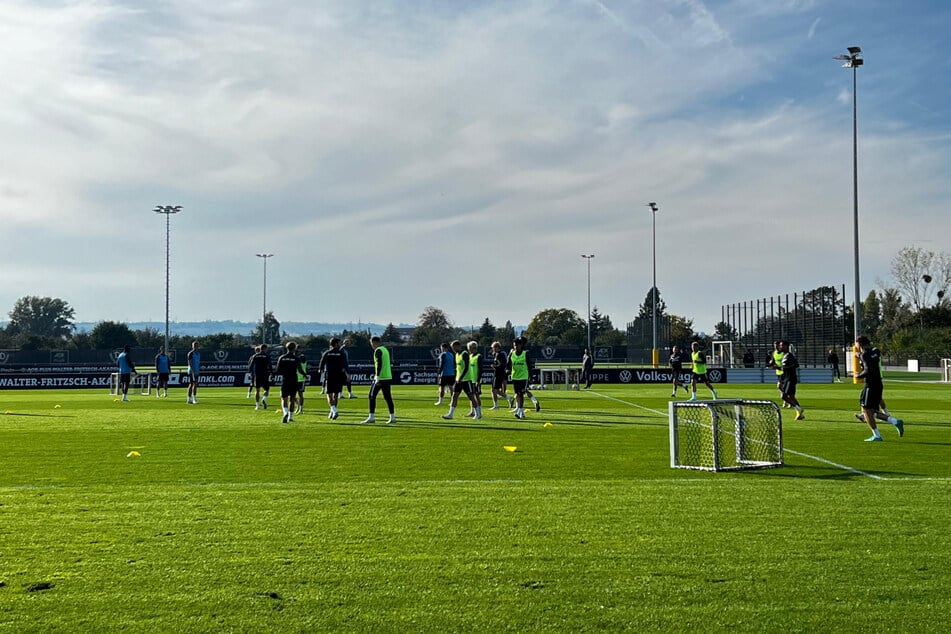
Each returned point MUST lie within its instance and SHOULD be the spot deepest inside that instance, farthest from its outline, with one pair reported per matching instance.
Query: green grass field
(230, 521)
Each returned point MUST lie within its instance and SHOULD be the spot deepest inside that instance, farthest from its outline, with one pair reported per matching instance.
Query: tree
(358, 338)
(722, 331)
(268, 331)
(871, 314)
(149, 338)
(111, 335)
(433, 327)
(920, 275)
(681, 330)
(391, 335)
(647, 308)
(41, 316)
(506, 334)
(486, 333)
(895, 314)
(557, 326)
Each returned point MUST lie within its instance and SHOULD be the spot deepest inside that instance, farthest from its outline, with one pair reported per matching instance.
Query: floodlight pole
(655, 354)
(167, 210)
(264, 256)
(853, 60)
(589, 258)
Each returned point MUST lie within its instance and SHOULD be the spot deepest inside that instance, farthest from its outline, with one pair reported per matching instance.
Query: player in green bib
(463, 382)
(699, 372)
(382, 380)
(519, 367)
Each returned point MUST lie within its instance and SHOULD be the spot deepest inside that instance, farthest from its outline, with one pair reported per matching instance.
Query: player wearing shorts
(499, 375)
(162, 369)
(699, 371)
(677, 368)
(334, 368)
(126, 370)
(519, 368)
(346, 354)
(462, 384)
(790, 379)
(382, 380)
(447, 371)
(475, 379)
(259, 367)
(288, 367)
(871, 397)
(194, 370)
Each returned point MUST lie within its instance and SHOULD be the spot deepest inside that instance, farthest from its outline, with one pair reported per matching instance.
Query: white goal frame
(724, 436)
(721, 351)
(141, 382)
(946, 370)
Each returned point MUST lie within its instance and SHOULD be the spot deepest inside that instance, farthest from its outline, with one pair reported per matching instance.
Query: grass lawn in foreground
(230, 521)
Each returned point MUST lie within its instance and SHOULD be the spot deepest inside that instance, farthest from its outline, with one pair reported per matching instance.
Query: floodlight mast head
(653, 206)
(853, 59)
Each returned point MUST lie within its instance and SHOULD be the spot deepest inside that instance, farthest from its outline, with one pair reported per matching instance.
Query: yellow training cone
(509, 447)
(57, 406)
(133, 454)
(548, 424)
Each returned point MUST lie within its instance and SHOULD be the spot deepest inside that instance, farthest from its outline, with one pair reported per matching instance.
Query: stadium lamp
(168, 211)
(853, 60)
(264, 256)
(655, 354)
(589, 258)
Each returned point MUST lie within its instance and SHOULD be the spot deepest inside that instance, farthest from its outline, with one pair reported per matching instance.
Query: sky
(463, 155)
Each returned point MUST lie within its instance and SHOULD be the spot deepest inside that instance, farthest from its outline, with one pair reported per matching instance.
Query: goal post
(723, 353)
(946, 370)
(140, 383)
(725, 435)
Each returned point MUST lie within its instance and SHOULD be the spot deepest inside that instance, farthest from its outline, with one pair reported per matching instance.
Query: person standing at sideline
(194, 369)
(499, 375)
(333, 367)
(677, 368)
(871, 397)
(382, 380)
(587, 366)
(288, 367)
(162, 369)
(699, 373)
(126, 370)
(447, 372)
(260, 370)
(790, 379)
(833, 360)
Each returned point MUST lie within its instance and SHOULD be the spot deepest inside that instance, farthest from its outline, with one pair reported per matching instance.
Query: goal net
(725, 435)
(140, 384)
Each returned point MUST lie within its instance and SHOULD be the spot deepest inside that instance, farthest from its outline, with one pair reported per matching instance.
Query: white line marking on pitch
(646, 409)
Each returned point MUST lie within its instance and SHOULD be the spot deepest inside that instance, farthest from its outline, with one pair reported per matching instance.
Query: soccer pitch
(228, 520)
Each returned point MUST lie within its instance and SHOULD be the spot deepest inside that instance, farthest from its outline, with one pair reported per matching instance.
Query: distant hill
(201, 328)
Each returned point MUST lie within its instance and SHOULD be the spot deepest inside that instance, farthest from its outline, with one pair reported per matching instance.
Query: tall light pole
(853, 60)
(264, 256)
(589, 258)
(168, 210)
(655, 354)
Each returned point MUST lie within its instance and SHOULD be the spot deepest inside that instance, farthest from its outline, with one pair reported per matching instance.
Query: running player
(259, 367)
(677, 368)
(288, 367)
(871, 397)
(699, 373)
(790, 379)
(462, 383)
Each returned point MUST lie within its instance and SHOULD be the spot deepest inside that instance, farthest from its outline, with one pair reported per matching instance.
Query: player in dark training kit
(288, 367)
(259, 367)
(871, 397)
(334, 368)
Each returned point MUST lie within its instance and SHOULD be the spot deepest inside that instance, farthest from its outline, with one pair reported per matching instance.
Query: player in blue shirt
(126, 370)
(194, 368)
(163, 368)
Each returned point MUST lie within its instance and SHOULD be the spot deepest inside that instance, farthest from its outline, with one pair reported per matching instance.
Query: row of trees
(913, 315)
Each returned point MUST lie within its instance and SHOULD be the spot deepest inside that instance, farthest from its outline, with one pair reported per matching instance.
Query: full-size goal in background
(725, 435)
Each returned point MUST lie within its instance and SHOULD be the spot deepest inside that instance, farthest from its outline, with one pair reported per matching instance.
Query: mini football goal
(140, 384)
(725, 435)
